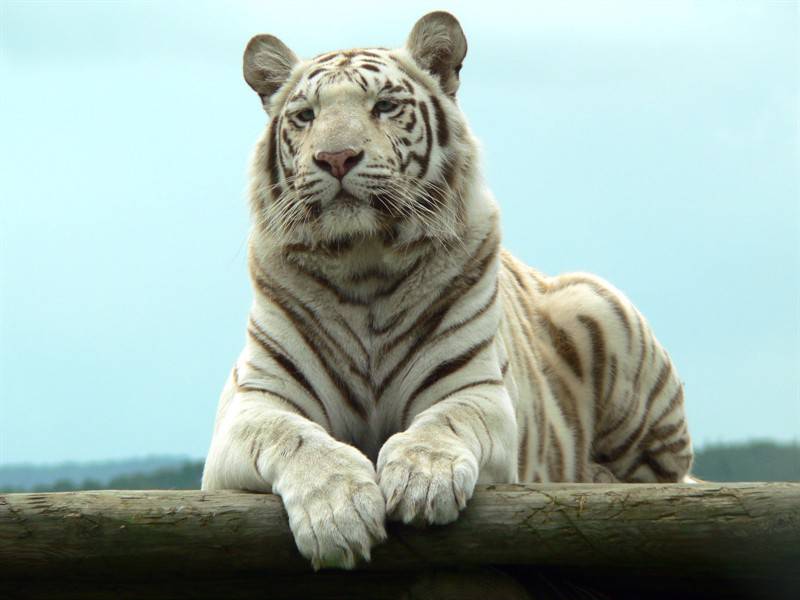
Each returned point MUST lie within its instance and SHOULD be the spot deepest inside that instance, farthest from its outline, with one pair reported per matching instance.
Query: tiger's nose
(338, 163)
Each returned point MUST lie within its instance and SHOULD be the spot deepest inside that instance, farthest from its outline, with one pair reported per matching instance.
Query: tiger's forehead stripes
(391, 87)
(370, 52)
(347, 58)
(342, 93)
(362, 67)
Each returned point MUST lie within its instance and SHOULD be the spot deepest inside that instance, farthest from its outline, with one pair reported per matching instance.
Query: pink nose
(338, 163)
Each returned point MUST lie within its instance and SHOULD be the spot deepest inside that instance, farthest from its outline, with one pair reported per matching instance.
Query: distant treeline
(27, 476)
(751, 461)
(183, 477)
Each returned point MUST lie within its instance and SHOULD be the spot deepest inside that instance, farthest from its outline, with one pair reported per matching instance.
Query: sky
(655, 144)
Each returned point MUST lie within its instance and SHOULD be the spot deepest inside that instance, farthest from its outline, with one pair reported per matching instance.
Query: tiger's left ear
(267, 63)
(438, 45)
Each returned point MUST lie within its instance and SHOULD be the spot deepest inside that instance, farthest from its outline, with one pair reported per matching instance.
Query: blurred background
(652, 143)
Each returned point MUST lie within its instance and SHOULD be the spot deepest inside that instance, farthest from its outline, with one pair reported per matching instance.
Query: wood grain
(724, 530)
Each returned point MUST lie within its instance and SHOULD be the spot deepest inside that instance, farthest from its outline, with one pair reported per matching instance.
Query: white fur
(406, 446)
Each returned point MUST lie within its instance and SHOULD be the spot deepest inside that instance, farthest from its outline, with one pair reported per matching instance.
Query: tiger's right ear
(267, 64)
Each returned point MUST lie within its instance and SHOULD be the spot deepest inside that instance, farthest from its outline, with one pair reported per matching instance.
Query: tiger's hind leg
(617, 382)
(643, 435)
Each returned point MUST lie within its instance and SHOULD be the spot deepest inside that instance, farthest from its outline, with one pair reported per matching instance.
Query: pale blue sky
(655, 144)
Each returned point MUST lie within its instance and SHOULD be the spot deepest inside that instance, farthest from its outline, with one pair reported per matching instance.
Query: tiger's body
(395, 354)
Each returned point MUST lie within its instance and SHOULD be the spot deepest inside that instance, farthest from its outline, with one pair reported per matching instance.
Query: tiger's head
(364, 142)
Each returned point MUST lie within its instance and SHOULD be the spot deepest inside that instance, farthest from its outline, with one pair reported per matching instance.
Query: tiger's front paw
(336, 509)
(426, 478)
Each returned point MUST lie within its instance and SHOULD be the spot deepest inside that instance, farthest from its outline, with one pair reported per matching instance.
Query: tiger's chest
(375, 331)
(378, 354)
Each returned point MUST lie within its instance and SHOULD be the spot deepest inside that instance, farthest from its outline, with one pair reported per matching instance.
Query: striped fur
(395, 354)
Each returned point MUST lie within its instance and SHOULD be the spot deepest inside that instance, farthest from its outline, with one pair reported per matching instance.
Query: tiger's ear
(438, 45)
(267, 64)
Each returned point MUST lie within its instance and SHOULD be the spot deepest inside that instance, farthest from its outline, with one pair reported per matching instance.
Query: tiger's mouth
(348, 215)
(375, 201)
(345, 198)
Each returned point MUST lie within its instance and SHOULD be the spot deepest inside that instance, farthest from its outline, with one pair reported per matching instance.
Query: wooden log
(720, 530)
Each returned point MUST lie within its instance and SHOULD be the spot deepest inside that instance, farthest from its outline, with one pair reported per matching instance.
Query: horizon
(189, 458)
(763, 460)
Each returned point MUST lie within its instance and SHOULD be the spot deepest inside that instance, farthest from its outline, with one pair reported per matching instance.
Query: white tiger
(395, 355)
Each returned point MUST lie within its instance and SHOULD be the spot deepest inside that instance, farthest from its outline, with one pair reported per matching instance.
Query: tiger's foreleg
(336, 510)
(429, 471)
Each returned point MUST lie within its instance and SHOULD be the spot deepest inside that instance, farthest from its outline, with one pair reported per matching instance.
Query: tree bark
(720, 530)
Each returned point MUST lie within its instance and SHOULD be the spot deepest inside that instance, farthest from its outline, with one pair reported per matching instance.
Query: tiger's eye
(384, 106)
(306, 115)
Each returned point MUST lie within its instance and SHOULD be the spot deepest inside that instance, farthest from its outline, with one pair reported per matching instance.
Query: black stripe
(672, 447)
(272, 163)
(663, 475)
(564, 345)
(473, 271)
(556, 446)
(341, 296)
(279, 149)
(426, 325)
(612, 369)
(361, 81)
(402, 278)
(250, 388)
(661, 381)
(568, 405)
(269, 345)
(634, 438)
(607, 295)
(287, 140)
(369, 61)
(642, 351)
(423, 160)
(434, 313)
(665, 431)
(445, 369)
(467, 386)
(442, 129)
(326, 57)
(412, 122)
(317, 345)
(460, 325)
(522, 456)
(375, 329)
(426, 158)
(598, 343)
(273, 292)
(612, 428)
(674, 402)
